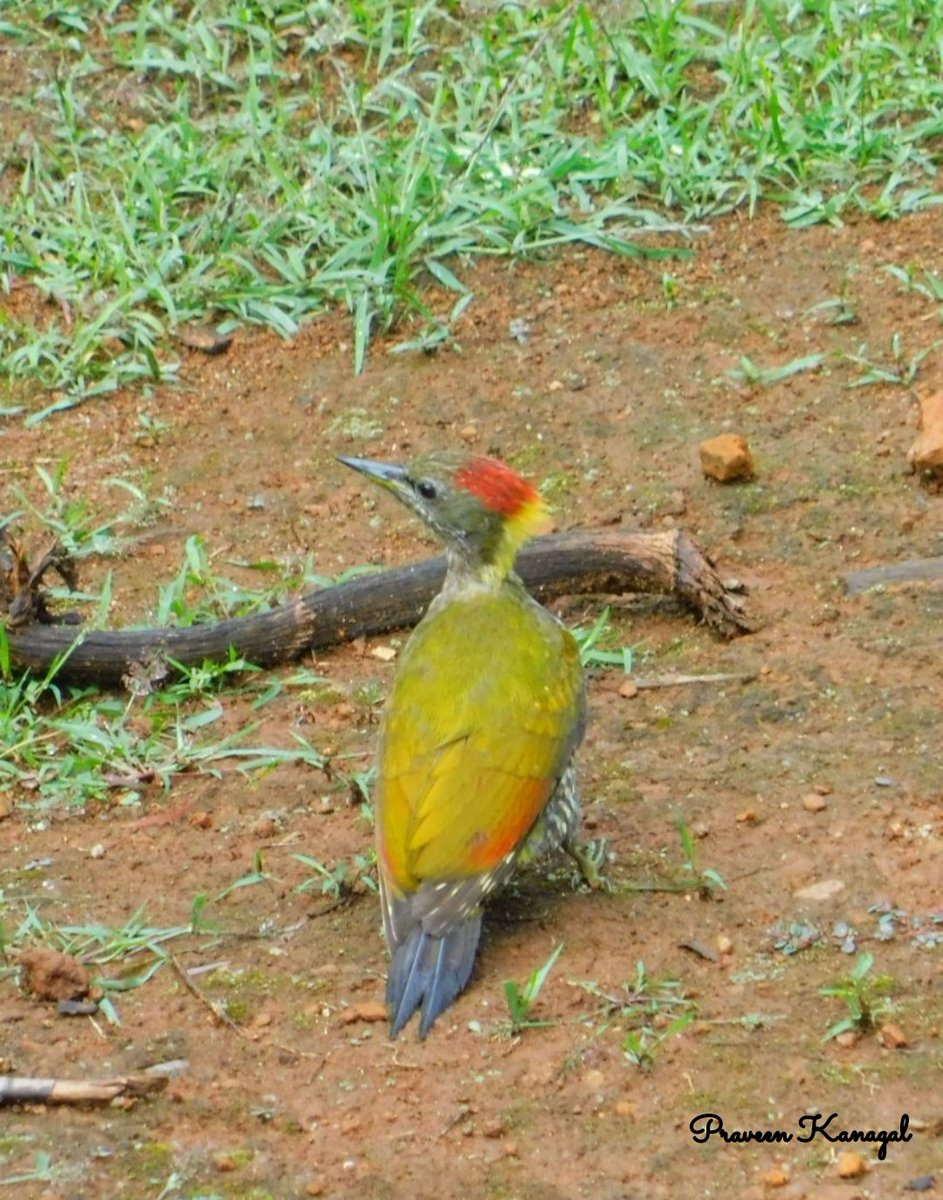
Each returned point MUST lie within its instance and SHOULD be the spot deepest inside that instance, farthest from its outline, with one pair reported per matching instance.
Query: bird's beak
(388, 475)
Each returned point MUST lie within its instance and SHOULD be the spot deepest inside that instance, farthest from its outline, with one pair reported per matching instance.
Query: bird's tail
(429, 971)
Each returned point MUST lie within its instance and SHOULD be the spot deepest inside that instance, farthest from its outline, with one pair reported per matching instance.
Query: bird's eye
(427, 489)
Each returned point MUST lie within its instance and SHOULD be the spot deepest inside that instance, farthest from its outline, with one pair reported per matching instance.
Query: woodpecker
(475, 771)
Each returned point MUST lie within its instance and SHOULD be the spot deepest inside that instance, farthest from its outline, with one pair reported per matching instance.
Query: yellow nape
(530, 520)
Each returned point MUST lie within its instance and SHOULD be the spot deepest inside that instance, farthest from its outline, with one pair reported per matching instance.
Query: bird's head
(481, 509)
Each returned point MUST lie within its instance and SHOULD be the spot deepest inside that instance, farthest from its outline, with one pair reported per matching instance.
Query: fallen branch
(20, 1089)
(597, 561)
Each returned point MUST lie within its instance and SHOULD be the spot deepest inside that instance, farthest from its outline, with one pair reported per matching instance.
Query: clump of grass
(865, 998)
(650, 1011)
(521, 998)
(265, 163)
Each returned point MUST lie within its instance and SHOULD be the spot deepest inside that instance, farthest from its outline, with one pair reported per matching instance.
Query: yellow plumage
(478, 731)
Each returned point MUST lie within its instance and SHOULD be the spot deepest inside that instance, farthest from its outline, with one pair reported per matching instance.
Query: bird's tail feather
(430, 971)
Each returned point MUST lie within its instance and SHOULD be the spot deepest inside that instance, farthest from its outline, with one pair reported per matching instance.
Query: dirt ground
(623, 369)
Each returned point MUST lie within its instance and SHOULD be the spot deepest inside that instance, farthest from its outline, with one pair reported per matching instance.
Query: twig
(221, 1015)
(214, 1006)
(21, 1089)
(665, 681)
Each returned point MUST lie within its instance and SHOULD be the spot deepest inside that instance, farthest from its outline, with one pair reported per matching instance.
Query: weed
(343, 879)
(590, 643)
(705, 882)
(654, 1011)
(865, 998)
(749, 372)
(925, 282)
(42, 1172)
(899, 368)
(521, 999)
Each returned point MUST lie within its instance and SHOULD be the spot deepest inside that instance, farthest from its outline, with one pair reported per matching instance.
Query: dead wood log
(580, 562)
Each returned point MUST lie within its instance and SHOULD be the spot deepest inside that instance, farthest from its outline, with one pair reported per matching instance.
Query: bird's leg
(590, 858)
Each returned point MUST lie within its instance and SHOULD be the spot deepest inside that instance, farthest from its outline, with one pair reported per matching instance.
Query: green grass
(273, 160)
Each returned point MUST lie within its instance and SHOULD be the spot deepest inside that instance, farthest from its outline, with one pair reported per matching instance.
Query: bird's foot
(591, 858)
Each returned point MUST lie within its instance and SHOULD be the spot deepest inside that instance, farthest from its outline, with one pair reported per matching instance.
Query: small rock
(814, 802)
(727, 458)
(201, 819)
(893, 1038)
(825, 889)
(776, 1178)
(6, 807)
(724, 944)
(625, 1108)
(383, 653)
(264, 827)
(593, 1080)
(848, 1040)
(97, 851)
(365, 1010)
(555, 385)
(851, 1166)
(468, 433)
(628, 690)
(747, 817)
(920, 1183)
(204, 338)
(315, 1187)
(926, 454)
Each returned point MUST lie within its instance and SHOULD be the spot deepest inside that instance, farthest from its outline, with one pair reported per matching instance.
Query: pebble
(727, 458)
(365, 1010)
(825, 889)
(848, 1040)
(724, 944)
(926, 454)
(776, 1178)
(97, 851)
(628, 690)
(920, 1183)
(851, 1165)
(383, 653)
(6, 807)
(264, 827)
(814, 802)
(893, 1038)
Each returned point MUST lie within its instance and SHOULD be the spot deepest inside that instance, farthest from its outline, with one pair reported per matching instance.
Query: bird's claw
(591, 858)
